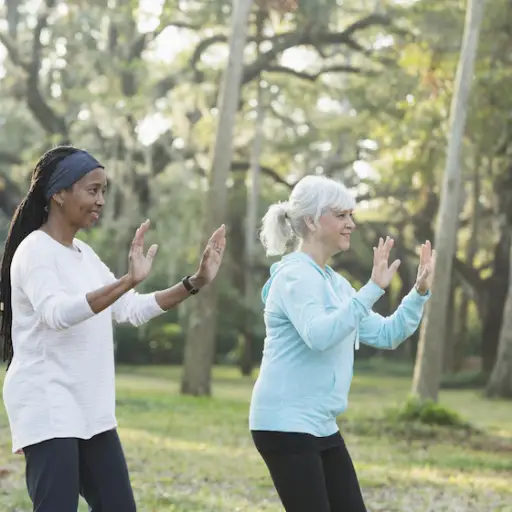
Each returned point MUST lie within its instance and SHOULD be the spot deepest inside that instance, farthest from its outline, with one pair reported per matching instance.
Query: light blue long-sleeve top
(314, 320)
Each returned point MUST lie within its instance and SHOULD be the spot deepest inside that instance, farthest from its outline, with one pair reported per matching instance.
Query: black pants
(59, 470)
(311, 474)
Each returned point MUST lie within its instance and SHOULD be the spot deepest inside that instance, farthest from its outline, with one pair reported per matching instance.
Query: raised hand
(382, 272)
(426, 268)
(212, 258)
(140, 264)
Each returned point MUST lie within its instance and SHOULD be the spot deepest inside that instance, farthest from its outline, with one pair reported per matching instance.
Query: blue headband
(69, 170)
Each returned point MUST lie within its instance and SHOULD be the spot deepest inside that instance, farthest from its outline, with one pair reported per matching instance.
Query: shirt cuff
(77, 310)
(417, 297)
(369, 294)
(154, 308)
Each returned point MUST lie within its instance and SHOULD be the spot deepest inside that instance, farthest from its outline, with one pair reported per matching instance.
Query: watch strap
(188, 285)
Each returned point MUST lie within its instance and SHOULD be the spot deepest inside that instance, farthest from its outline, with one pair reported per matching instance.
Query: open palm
(382, 271)
(140, 264)
(426, 268)
(211, 259)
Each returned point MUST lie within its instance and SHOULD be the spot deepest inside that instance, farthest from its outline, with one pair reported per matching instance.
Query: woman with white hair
(314, 320)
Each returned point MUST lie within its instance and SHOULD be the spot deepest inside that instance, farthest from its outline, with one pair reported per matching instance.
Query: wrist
(197, 282)
(421, 291)
(373, 281)
(127, 282)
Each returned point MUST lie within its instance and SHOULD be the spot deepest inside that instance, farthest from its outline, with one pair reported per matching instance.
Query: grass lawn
(196, 455)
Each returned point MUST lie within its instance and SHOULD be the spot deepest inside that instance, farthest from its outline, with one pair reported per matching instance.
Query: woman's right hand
(382, 273)
(139, 263)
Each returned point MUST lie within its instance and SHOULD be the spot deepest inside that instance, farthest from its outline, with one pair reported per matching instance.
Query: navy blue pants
(310, 474)
(58, 471)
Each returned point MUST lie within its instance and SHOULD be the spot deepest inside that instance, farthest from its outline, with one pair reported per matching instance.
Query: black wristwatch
(188, 285)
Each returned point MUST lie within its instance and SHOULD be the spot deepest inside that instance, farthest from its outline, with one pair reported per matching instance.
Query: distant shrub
(415, 421)
(426, 412)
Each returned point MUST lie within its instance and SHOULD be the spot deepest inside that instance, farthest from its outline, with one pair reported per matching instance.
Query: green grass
(196, 455)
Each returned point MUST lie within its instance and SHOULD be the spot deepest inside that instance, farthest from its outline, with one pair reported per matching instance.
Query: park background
(202, 115)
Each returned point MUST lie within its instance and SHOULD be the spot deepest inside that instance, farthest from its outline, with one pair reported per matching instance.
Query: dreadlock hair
(29, 216)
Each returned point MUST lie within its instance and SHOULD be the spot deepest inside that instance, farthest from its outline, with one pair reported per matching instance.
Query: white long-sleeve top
(61, 382)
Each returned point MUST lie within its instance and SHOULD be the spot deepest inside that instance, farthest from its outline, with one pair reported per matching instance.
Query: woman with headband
(58, 303)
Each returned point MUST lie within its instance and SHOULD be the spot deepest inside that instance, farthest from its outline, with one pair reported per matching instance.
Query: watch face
(188, 286)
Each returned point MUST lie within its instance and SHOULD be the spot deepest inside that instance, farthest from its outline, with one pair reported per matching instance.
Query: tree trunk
(497, 284)
(461, 336)
(471, 250)
(449, 345)
(246, 357)
(427, 371)
(200, 343)
(496, 295)
(236, 247)
(246, 360)
(500, 382)
(407, 350)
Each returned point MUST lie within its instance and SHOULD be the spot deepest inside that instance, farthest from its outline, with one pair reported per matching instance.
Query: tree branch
(140, 43)
(167, 19)
(307, 36)
(281, 44)
(44, 114)
(314, 76)
(245, 166)
(203, 45)
(261, 64)
(369, 21)
(175, 24)
(160, 154)
(12, 51)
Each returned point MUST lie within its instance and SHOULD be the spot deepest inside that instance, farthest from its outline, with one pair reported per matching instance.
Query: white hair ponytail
(311, 197)
(276, 231)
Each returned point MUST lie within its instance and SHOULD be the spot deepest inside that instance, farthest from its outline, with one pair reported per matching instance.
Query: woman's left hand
(211, 259)
(426, 268)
